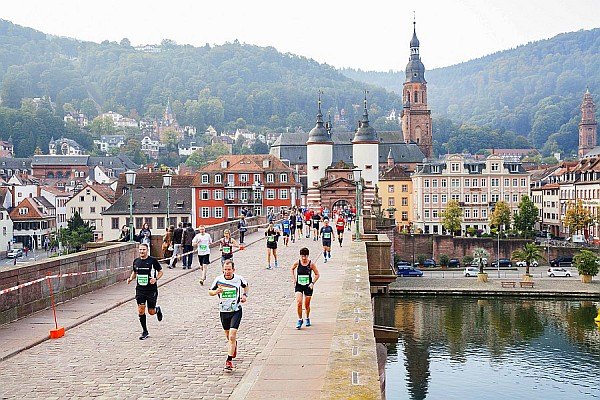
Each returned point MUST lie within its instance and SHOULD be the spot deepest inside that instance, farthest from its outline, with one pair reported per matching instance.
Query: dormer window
(218, 178)
(270, 178)
(23, 211)
(266, 163)
(205, 178)
(283, 177)
(224, 164)
(156, 204)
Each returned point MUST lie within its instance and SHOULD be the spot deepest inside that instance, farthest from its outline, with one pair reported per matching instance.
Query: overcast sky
(371, 35)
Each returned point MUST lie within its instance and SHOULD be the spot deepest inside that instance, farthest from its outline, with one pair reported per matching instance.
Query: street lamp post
(357, 180)
(167, 178)
(130, 179)
(498, 254)
(412, 239)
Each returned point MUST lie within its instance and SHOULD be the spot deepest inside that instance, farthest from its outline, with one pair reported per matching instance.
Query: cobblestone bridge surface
(185, 354)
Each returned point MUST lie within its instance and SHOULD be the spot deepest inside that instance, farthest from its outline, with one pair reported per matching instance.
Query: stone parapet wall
(27, 300)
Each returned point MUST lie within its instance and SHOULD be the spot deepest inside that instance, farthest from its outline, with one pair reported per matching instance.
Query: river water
(491, 348)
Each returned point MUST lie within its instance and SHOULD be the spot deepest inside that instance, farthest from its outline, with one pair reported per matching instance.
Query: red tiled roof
(154, 180)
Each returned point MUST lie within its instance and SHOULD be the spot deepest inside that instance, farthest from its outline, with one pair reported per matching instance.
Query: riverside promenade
(101, 355)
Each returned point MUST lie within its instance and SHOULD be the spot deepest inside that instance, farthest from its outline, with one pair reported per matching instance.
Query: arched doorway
(342, 203)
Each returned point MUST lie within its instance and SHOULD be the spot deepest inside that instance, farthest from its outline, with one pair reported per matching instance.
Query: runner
(285, 223)
(327, 236)
(293, 227)
(229, 288)
(299, 224)
(148, 271)
(316, 218)
(272, 235)
(304, 283)
(226, 245)
(349, 220)
(339, 227)
(177, 246)
(202, 240)
(308, 222)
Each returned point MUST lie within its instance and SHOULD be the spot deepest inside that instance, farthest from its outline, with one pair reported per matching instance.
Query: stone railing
(113, 262)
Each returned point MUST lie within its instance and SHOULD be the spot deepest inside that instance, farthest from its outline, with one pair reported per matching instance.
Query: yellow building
(396, 192)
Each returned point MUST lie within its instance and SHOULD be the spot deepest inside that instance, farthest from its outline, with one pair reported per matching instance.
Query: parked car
(429, 263)
(454, 263)
(476, 261)
(504, 263)
(402, 263)
(407, 270)
(471, 271)
(14, 253)
(559, 271)
(562, 261)
(524, 264)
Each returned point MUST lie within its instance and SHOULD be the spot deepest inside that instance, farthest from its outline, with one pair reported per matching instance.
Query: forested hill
(226, 86)
(534, 90)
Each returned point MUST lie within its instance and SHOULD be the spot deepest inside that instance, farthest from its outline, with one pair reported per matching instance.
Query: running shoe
(201, 281)
(159, 314)
(228, 366)
(324, 260)
(144, 335)
(235, 350)
(269, 267)
(276, 264)
(329, 255)
(299, 324)
(307, 321)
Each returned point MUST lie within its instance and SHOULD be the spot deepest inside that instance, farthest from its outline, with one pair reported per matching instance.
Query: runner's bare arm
(131, 277)
(315, 271)
(293, 273)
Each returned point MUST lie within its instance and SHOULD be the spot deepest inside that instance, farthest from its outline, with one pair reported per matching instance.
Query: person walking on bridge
(177, 247)
(327, 236)
(272, 235)
(203, 240)
(147, 271)
(340, 224)
(232, 290)
(304, 275)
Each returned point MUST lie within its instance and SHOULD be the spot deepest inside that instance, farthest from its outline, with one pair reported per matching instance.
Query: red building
(260, 183)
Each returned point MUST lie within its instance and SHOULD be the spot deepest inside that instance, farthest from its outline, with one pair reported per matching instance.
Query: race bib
(326, 235)
(229, 293)
(303, 279)
(142, 280)
(271, 238)
(226, 250)
(203, 247)
(228, 300)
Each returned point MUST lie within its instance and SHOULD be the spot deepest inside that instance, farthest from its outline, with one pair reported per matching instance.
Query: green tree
(586, 263)
(102, 126)
(501, 214)
(480, 255)
(452, 217)
(77, 233)
(196, 159)
(134, 151)
(529, 253)
(577, 217)
(526, 217)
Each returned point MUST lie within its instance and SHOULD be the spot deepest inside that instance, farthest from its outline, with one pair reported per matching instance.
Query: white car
(471, 271)
(524, 264)
(559, 271)
(14, 253)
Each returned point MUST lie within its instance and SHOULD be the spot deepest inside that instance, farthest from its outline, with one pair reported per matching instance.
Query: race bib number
(226, 250)
(271, 238)
(298, 223)
(303, 279)
(228, 300)
(229, 293)
(326, 235)
(142, 280)
(203, 247)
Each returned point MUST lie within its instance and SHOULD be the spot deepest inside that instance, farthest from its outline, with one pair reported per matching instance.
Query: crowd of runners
(292, 227)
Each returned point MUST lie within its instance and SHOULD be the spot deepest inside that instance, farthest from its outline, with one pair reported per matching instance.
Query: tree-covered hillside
(228, 86)
(533, 91)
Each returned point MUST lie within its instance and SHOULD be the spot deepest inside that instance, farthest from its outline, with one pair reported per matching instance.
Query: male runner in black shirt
(147, 271)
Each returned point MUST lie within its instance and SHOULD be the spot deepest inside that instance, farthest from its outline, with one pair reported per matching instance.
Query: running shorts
(231, 320)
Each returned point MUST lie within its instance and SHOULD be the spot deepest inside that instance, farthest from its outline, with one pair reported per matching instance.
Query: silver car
(559, 271)
(471, 271)
(524, 264)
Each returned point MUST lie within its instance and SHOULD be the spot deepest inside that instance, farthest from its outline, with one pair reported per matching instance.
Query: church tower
(416, 118)
(319, 155)
(365, 155)
(588, 126)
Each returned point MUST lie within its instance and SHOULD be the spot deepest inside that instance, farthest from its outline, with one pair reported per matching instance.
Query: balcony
(237, 201)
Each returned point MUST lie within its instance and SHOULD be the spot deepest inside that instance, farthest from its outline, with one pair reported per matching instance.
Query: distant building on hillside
(65, 147)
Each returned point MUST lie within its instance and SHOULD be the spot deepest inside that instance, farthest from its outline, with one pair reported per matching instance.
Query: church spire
(365, 132)
(319, 134)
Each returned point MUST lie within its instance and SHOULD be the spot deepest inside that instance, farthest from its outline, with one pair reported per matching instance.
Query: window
(230, 212)
(270, 194)
(283, 177)
(495, 198)
(23, 211)
(283, 193)
(218, 212)
(435, 169)
(434, 198)
(405, 188)
(426, 199)
(184, 220)
(114, 223)
(523, 182)
(391, 189)
(404, 215)
(455, 197)
(256, 178)
(474, 182)
(475, 198)
(230, 179)
(205, 212)
(103, 208)
(205, 178)
(139, 221)
(495, 182)
(270, 178)
(434, 213)
(205, 195)
(454, 167)
(515, 197)
(368, 167)
(467, 182)
(467, 213)
(230, 194)
(467, 198)
(218, 195)
(455, 182)
(160, 223)
(483, 182)
(405, 201)
(426, 214)
(92, 210)
(475, 213)
(243, 178)
(506, 182)
(243, 195)
(444, 198)
(484, 198)
(148, 220)
(484, 213)
(81, 198)
(218, 178)
(391, 201)
(507, 198)
(495, 167)
(514, 183)
(94, 198)
(173, 221)
(434, 183)
(443, 183)
(426, 183)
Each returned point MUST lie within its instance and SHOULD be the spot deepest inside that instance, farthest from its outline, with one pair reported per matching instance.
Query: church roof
(320, 133)
(365, 132)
